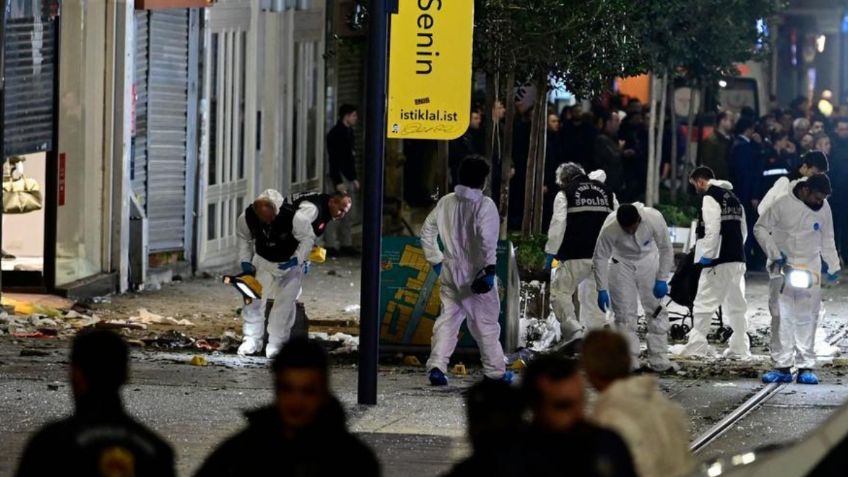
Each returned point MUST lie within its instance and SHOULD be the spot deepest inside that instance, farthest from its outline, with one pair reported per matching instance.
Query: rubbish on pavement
(411, 360)
(205, 344)
(198, 360)
(29, 334)
(119, 324)
(538, 334)
(352, 309)
(148, 318)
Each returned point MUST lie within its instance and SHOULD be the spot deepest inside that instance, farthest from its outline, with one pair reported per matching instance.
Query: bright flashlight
(800, 279)
(246, 290)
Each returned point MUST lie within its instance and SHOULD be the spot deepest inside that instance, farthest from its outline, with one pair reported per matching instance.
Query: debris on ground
(148, 318)
(537, 334)
(351, 309)
(198, 360)
(411, 360)
(337, 343)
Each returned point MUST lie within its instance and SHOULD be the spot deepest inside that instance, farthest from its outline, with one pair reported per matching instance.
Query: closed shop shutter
(138, 169)
(167, 110)
(30, 72)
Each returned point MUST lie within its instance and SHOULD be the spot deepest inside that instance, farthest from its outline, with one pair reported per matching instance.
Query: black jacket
(341, 149)
(585, 451)
(100, 434)
(323, 450)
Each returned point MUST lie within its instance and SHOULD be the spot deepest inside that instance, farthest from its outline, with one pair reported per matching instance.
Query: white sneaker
(249, 346)
(271, 351)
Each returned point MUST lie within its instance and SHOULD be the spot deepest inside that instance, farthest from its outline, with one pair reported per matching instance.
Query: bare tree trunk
(532, 163)
(690, 121)
(506, 151)
(489, 125)
(652, 142)
(542, 147)
(674, 145)
(660, 138)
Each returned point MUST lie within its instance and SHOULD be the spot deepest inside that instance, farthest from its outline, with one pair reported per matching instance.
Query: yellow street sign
(430, 69)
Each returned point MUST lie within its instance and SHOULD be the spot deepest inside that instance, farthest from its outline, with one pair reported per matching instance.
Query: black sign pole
(372, 219)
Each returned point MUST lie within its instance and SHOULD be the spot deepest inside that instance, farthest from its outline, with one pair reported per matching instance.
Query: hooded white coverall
(468, 224)
(655, 429)
(781, 187)
(805, 236)
(282, 286)
(638, 261)
(573, 275)
(721, 285)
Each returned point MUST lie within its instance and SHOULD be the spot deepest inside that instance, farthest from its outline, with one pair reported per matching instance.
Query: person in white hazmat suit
(655, 428)
(720, 250)
(812, 163)
(468, 224)
(796, 233)
(632, 261)
(275, 239)
(580, 210)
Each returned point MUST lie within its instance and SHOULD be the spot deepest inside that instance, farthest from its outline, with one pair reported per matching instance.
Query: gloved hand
(248, 268)
(603, 300)
(833, 277)
(437, 268)
(291, 263)
(549, 263)
(307, 265)
(781, 262)
(706, 262)
(485, 281)
(660, 289)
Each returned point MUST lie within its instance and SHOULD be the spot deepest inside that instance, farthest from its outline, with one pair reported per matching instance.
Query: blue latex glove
(485, 281)
(489, 280)
(248, 268)
(288, 265)
(549, 263)
(307, 265)
(833, 277)
(705, 261)
(437, 268)
(660, 289)
(603, 300)
(781, 262)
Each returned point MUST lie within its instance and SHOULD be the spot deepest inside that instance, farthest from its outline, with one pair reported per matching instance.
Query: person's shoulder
(149, 435)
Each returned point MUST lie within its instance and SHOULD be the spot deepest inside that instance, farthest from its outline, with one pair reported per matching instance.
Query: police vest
(732, 247)
(589, 204)
(275, 242)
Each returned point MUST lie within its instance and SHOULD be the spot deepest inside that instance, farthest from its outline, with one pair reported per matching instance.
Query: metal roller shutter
(167, 109)
(138, 169)
(30, 71)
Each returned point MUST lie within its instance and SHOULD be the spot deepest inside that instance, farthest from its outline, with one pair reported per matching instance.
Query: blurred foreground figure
(654, 428)
(303, 433)
(100, 439)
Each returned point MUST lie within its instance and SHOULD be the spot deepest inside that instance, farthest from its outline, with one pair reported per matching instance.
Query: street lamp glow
(722, 83)
(821, 41)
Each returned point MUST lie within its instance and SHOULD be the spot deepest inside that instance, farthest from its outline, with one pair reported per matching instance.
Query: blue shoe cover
(508, 377)
(438, 378)
(777, 376)
(807, 377)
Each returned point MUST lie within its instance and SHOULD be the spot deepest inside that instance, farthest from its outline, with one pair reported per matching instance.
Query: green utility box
(409, 297)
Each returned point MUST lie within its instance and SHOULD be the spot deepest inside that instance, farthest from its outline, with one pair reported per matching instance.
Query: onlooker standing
(654, 428)
(839, 177)
(608, 151)
(100, 435)
(292, 435)
(560, 437)
(715, 149)
(464, 146)
(746, 173)
(823, 144)
(341, 149)
(800, 128)
(554, 156)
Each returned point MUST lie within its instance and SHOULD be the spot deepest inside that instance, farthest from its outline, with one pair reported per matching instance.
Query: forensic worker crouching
(796, 233)
(632, 262)
(275, 239)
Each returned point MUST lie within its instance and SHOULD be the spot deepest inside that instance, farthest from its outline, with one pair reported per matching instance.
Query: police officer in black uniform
(100, 439)
(580, 209)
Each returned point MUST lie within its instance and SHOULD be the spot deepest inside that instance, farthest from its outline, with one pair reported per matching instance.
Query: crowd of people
(535, 429)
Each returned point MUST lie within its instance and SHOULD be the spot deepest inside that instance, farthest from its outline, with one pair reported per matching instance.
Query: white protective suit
(638, 261)
(282, 286)
(806, 238)
(573, 275)
(655, 429)
(468, 224)
(722, 285)
(781, 188)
